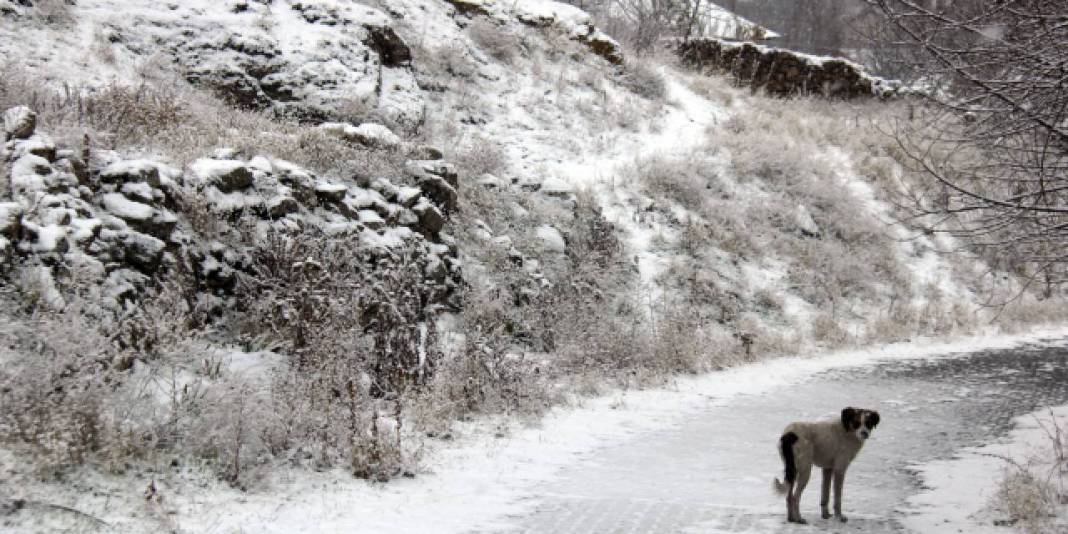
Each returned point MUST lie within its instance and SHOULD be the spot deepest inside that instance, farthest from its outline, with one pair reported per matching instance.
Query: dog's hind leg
(803, 475)
(825, 493)
(786, 450)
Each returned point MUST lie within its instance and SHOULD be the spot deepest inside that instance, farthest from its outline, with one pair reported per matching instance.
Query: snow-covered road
(709, 469)
(695, 457)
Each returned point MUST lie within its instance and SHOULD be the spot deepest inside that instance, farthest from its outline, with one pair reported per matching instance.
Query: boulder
(371, 219)
(431, 220)
(420, 169)
(369, 134)
(141, 192)
(10, 220)
(19, 123)
(472, 7)
(551, 239)
(280, 206)
(392, 50)
(438, 190)
(226, 175)
(804, 222)
(142, 251)
(121, 172)
(44, 239)
(330, 192)
(152, 221)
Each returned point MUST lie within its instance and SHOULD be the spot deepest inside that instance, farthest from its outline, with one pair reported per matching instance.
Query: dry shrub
(681, 179)
(643, 78)
(167, 116)
(55, 12)
(496, 41)
(1027, 499)
(358, 336)
(826, 330)
(479, 155)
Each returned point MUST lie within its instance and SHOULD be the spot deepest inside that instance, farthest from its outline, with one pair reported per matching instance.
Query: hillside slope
(243, 241)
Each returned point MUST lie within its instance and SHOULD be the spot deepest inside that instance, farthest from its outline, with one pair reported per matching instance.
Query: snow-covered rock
(805, 223)
(137, 170)
(785, 72)
(551, 239)
(577, 23)
(19, 123)
(368, 134)
(224, 174)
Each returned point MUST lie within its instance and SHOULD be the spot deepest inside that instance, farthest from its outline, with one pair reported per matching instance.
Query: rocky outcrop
(784, 72)
(134, 220)
(575, 22)
(307, 60)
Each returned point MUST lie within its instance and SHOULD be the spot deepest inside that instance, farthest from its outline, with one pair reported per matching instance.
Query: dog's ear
(873, 419)
(849, 416)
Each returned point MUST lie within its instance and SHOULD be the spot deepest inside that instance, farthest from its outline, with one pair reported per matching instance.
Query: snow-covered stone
(126, 209)
(44, 239)
(138, 170)
(431, 220)
(19, 123)
(142, 251)
(805, 223)
(155, 222)
(573, 20)
(330, 191)
(371, 219)
(557, 187)
(490, 181)
(10, 219)
(141, 192)
(368, 134)
(551, 239)
(226, 175)
(280, 206)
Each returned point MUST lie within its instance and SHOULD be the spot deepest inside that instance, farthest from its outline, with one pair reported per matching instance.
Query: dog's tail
(786, 446)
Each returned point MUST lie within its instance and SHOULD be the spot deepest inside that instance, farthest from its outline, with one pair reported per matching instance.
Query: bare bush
(643, 79)
(183, 123)
(480, 155)
(494, 40)
(55, 12)
(356, 327)
(682, 179)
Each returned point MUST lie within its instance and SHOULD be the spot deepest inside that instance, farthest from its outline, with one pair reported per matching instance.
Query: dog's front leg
(839, 481)
(825, 494)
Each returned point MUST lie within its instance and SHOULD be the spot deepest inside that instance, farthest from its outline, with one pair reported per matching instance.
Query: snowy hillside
(249, 242)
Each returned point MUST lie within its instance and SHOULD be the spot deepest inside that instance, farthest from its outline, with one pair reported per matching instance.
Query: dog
(830, 445)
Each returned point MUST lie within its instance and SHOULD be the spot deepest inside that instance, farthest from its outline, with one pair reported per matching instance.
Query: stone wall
(784, 72)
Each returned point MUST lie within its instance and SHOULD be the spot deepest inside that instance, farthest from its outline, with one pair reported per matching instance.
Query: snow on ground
(476, 483)
(960, 491)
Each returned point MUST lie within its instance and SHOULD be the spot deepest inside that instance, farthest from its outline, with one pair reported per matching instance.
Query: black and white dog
(831, 445)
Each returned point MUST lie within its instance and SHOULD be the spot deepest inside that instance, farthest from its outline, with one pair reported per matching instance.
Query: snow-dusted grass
(162, 116)
(1019, 482)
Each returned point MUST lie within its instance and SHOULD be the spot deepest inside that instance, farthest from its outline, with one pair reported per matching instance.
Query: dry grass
(166, 117)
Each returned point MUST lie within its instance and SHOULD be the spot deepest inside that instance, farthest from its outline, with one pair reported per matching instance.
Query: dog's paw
(841, 518)
(825, 514)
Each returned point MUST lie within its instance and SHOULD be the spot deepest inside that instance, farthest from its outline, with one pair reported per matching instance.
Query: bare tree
(994, 136)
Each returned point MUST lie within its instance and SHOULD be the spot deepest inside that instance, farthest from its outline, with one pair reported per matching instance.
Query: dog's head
(860, 422)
